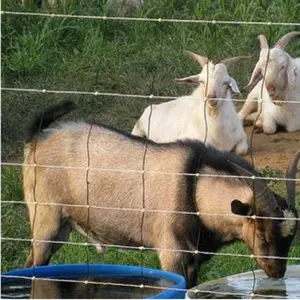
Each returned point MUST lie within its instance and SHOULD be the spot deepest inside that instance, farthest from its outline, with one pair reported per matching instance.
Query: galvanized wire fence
(114, 169)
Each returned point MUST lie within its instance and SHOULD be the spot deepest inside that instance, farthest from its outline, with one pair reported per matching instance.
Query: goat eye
(201, 82)
(282, 68)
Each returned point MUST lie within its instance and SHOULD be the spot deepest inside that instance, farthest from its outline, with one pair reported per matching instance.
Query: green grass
(118, 57)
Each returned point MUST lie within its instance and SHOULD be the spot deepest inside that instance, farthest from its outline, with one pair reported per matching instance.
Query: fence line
(148, 171)
(141, 286)
(143, 248)
(142, 210)
(159, 20)
(138, 96)
(148, 210)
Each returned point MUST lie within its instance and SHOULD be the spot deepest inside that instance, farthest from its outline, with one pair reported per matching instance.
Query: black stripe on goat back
(205, 155)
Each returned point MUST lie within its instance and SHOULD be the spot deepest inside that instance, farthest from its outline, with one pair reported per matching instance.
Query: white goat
(185, 117)
(282, 83)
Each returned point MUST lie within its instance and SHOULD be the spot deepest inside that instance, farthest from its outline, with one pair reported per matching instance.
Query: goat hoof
(258, 130)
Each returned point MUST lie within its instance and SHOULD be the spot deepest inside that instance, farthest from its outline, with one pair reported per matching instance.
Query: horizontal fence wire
(137, 96)
(165, 20)
(141, 286)
(149, 172)
(142, 210)
(143, 248)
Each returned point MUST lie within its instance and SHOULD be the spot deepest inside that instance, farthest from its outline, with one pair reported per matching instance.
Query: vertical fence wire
(260, 111)
(147, 140)
(88, 202)
(35, 202)
(196, 178)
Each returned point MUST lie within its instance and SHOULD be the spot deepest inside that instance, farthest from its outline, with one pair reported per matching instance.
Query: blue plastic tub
(105, 270)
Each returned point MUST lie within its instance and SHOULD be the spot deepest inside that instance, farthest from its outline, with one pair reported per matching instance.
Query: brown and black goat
(129, 216)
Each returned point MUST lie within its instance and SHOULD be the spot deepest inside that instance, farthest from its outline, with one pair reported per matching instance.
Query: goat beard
(277, 101)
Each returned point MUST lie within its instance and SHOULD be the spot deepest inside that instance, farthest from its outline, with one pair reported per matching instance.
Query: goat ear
(292, 73)
(189, 79)
(240, 208)
(234, 87)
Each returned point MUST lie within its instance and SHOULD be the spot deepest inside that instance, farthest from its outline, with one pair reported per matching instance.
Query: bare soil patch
(273, 150)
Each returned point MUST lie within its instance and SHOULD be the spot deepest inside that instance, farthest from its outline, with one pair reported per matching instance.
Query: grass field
(118, 57)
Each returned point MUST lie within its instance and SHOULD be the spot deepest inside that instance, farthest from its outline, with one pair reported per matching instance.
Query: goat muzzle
(276, 273)
(277, 102)
(271, 89)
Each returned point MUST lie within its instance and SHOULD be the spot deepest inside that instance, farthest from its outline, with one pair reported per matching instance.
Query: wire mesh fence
(142, 209)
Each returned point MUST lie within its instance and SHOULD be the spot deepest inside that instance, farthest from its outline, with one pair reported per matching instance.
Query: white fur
(287, 82)
(287, 227)
(184, 117)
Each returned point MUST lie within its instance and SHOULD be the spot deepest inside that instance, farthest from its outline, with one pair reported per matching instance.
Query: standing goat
(116, 212)
(214, 121)
(282, 84)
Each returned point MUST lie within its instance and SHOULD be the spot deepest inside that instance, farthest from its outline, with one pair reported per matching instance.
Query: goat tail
(44, 118)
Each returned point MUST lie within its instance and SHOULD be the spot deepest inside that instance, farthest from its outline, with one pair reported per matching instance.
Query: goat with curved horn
(184, 117)
(202, 60)
(228, 62)
(280, 87)
(273, 236)
(291, 174)
(286, 39)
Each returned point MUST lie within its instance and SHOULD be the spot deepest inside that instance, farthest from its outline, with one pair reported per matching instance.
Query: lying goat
(282, 84)
(215, 121)
(121, 192)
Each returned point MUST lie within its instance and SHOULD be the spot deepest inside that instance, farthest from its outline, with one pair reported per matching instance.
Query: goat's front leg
(241, 148)
(184, 264)
(247, 109)
(269, 124)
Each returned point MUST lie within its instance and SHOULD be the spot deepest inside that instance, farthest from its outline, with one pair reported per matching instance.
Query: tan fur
(115, 181)
(218, 199)
(68, 147)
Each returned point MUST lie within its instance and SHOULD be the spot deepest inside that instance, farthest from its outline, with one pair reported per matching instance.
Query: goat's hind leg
(46, 226)
(249, 106)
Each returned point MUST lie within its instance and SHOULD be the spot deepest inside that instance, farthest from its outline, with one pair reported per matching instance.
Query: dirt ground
(273, 150)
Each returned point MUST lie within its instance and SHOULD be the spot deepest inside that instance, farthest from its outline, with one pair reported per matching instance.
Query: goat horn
(263, 41)
(284, 41)
(256, 73)
(291, 173)
(202, 60)
(228, 62)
